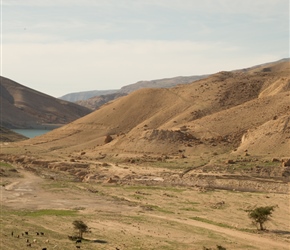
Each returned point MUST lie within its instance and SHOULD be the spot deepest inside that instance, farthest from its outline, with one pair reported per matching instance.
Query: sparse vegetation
(211, 222)
(260, 215)
(7, 170)
(5, 165)
(47, 212)
(189, 209)
(81, 227)
(108, 139)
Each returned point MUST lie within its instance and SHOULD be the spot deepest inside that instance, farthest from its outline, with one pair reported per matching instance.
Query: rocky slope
(23, 107)
(226, 113)
(7, 135)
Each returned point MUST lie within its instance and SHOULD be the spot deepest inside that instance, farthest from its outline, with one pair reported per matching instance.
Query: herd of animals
(29, 242)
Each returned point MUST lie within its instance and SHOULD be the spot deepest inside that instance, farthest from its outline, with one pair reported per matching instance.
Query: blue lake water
(30, 133)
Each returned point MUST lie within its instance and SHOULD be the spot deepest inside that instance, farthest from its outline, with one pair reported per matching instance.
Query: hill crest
(23, 107)
(210, 115)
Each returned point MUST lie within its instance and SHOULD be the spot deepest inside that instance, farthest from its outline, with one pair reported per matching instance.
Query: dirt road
(254, 240)
(29, 193)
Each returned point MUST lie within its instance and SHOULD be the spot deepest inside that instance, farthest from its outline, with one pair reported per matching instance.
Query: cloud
(64, 46)
(159, 20)
(249, 7)
(150, 19)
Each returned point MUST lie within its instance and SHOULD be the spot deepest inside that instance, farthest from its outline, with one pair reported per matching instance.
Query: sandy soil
(142, 217)
(28, 193)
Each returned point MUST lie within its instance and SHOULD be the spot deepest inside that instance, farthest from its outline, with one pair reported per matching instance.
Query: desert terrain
(22, 107)
(172, 168)
(135, 208)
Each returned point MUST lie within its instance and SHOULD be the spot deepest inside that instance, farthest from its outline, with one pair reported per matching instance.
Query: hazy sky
(64, 46)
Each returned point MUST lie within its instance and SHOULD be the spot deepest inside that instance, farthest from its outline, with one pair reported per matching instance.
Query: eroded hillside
(23, 107)
(228, 112)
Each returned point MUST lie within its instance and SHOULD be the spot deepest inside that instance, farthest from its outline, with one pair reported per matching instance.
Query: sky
(64, 46)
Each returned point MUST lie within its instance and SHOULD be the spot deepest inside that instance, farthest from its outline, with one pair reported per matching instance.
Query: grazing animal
(47, 241)
(44, 248)
(18, 236)
(27, 240)
(29, 245)
(79, 241)
(12, 233)
(34, 240)
(78, 246)
(37, 233)
(26, 233)
(42, 233)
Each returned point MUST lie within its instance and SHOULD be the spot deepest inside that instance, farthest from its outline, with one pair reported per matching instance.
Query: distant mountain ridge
(100, 97)
(96, 98)
(84, 95)
(23, 107)
(161, 83)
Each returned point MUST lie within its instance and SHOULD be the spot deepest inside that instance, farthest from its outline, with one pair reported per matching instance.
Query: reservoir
(30, 133)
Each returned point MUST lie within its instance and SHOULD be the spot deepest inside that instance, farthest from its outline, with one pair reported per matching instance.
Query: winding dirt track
(27, 192)
(252, 239)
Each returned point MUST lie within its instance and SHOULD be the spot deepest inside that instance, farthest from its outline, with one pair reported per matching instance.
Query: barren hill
(7, 135)
(228, 112)
(23, 107)
(96, 101)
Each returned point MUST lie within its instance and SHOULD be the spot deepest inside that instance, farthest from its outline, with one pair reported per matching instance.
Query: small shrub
(108, 139)
(260, 215)
(81, 227)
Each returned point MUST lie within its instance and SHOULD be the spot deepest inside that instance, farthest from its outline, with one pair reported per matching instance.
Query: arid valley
(158, 168)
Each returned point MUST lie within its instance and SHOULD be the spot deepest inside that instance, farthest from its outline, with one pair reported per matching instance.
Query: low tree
(81, 227)
(260, 215)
